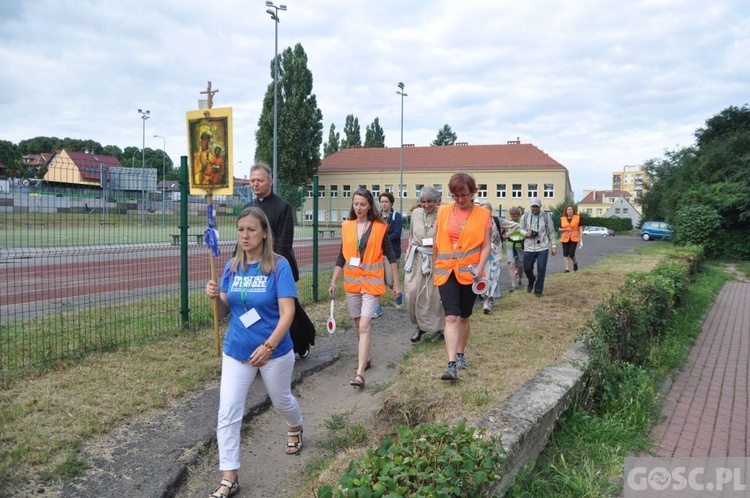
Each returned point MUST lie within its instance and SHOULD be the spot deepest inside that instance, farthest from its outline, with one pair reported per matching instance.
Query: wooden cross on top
(210, 96)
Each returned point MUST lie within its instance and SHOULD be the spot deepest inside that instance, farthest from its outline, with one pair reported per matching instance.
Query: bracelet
(333, 285)
(268, 347)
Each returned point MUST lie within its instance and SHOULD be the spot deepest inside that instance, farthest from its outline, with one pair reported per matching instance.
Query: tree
(334, 142)
(374, 135)
(445, 136)
(351, 132)
(10, 156)
(300, 125)
(728, 122)
(112, 150)
(707, 185)
(38, 145)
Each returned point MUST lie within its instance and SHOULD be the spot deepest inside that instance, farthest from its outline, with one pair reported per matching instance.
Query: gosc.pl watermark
(684, 477)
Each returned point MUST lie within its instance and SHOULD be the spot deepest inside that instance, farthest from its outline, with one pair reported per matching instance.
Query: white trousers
(236, 378)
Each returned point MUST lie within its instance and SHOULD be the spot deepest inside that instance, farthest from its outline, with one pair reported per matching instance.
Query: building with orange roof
(507, 175)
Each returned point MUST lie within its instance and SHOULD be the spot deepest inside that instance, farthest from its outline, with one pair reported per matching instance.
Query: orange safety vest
(573, 225)
(468, 248)
(369, 276)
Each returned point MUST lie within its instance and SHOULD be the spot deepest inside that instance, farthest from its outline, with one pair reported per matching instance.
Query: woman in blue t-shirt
(257, 289)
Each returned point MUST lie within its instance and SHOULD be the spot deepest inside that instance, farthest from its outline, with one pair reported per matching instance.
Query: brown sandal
(358, 381)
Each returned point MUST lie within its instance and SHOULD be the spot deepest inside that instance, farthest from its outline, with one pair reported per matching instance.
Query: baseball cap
(535, 201)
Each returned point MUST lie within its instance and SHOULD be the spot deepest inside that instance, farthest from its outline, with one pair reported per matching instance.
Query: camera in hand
(534, 233)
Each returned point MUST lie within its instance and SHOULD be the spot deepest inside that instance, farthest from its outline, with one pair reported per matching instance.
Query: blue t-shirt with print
(249, 289)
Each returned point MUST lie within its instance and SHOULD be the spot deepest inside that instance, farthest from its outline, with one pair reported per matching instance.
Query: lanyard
(461, 225)
(359, 236)
(424, 220)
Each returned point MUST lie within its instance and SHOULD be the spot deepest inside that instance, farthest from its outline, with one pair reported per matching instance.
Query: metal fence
(86, 269)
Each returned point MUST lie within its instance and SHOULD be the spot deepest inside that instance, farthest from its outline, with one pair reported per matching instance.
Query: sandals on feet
(232, 486)
(358, 381)
(294, 447)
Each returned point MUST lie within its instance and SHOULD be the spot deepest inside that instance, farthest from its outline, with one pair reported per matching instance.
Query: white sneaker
(487, 307)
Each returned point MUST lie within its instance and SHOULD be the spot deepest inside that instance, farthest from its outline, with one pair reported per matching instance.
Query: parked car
(655, 230)
(599, 231)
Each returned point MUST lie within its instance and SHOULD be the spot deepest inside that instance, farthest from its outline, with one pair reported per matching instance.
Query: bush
(616, 224)
(697, 225)
(428, 460)
(620, 333)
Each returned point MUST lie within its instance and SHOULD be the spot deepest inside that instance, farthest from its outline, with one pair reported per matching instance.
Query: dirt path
(266, 471)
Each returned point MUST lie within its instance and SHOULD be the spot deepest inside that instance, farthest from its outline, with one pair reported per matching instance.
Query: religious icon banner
(210, 151)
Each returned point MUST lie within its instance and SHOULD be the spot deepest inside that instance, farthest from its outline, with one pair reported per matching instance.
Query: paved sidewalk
(706, 408)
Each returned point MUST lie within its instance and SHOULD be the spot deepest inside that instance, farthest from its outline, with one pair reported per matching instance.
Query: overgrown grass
(585, 456)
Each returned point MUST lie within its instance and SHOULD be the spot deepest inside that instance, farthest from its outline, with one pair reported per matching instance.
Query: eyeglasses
(461, 196)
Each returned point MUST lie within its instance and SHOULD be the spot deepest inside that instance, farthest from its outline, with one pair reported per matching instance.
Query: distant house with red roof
(36, 161)
(506, 174)
(609, 203)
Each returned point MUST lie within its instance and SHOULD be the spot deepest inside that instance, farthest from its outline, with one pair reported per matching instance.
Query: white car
(599, 231)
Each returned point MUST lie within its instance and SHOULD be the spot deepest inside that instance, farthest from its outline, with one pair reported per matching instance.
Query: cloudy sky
(595, 84)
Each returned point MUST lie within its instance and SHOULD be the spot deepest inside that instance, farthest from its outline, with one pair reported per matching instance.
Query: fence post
(184, 193)
(316, 225)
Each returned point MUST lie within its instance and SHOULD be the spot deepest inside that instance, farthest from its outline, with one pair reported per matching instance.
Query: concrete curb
(525, 419)
(151, 458)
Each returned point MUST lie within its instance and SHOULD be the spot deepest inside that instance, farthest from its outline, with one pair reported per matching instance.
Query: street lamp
(163, 179)
(274, 12)
(400, 186)
(144, 117)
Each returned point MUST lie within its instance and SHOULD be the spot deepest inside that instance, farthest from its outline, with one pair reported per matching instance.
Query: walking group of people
(450, 248)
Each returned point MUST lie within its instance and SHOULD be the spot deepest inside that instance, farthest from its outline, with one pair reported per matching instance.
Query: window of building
(308, 214)
(588, 210)
(389, 187)
(346, 191)
(500, 192)
(321, 191)
(624, 210)
(482, 191)
(438, 187)
(417, 189)
(617, 210)
(533, 190)
(598, 210)
(549, 190)
(403, 191)
(362, 186)
(308, 192)
(334, 191)
(375, 191)
(517, 190)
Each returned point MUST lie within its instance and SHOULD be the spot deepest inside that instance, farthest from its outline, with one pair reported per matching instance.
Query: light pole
(163, 180)
(144, 117)
(400, 185)
(274, 12)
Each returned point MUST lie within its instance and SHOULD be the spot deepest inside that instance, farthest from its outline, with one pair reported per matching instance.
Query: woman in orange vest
(364, 247)
(571, 231)
(461, 250)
